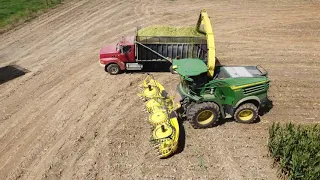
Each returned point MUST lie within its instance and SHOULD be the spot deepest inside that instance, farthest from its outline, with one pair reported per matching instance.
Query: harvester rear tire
(203, 115)
(246, 113)
(113, 69)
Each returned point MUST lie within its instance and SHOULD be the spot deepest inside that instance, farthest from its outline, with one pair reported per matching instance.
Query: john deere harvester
(208, 93)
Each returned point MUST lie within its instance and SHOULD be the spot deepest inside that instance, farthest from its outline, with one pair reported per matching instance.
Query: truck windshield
(117, 47)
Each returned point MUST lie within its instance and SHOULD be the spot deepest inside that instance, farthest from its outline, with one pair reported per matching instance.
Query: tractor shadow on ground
(223, 121)
(10, 72)
(267, 108)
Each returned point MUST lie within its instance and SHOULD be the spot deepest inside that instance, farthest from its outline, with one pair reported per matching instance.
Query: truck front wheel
(246, 113)
(203, 115)
(113, 69)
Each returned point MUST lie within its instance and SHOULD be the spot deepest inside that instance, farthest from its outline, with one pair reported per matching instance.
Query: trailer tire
(203, 115)
(113, 69)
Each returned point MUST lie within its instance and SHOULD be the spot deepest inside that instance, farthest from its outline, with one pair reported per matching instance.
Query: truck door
(127, 54)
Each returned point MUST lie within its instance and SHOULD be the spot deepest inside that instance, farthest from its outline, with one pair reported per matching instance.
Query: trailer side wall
(172, 47)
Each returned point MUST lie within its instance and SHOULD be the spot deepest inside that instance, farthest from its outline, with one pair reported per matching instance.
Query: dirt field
(69, 119)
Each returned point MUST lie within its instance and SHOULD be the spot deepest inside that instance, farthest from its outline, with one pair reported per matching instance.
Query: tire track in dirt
(75, 42)
(83, 135)
(67, 131)
(19, 34)
(50, 64)
(32, 125)
(73, 121)
(66, 32)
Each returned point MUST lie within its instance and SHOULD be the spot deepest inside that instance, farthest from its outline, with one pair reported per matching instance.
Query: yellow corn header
(162, 118)
(160, 106)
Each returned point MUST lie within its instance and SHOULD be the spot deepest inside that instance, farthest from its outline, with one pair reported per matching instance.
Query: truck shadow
(10, 72)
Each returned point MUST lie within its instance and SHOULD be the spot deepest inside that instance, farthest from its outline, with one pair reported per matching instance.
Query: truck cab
(115, 56)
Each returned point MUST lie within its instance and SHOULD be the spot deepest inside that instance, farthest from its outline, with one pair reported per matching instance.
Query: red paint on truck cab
(119, 53)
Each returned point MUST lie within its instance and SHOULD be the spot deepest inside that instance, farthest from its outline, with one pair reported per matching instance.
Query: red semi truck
(137, 52)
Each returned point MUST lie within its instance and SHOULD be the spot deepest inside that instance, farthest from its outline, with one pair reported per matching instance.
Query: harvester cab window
(126, 49)
(199, 81)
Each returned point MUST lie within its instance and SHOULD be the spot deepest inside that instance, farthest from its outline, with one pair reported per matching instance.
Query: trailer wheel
(246, 113)
(113, 69)
(203, 115)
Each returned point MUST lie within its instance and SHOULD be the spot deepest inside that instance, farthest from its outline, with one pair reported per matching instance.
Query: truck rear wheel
(113, 69)
(203, 115)
(246, 113)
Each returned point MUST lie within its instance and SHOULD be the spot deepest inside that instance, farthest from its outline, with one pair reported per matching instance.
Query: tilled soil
(68, 119)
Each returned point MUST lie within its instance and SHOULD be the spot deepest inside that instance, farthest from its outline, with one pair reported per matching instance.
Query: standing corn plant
(296, 150)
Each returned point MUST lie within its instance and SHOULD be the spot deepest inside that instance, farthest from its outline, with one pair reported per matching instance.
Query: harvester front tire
(203, 115)
(113, 69)
(246, 113)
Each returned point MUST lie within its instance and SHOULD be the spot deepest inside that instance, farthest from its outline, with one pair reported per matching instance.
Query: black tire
(208, 119)
(172, 71)
(113, 69)
(246, 113)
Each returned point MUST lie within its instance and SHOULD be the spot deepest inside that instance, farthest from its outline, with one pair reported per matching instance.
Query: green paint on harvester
(190, 67)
